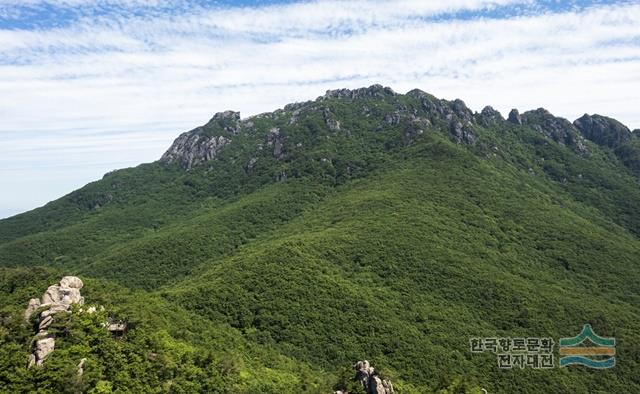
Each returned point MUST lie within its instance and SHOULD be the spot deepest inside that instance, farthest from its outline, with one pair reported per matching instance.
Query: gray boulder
(34, 304)
(62, 294)
(71, 281)
(44, 347)
(45, 323)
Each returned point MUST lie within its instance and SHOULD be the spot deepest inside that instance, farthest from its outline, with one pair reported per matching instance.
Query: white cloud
(121, 81)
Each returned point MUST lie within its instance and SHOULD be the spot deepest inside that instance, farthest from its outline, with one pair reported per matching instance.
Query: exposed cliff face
(558, 129)
(453, 116)
(610, 133)
(514, 117)
(203, 143)
(193, 148)
(602, 130)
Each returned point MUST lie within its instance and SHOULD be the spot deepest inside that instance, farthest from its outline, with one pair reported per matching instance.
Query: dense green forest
(271, 253)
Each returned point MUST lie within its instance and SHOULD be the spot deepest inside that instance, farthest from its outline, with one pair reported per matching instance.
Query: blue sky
(50, 14)
(89, 86)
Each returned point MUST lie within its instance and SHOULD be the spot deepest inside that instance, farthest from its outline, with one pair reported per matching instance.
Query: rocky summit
(426, 112)
(265, 254)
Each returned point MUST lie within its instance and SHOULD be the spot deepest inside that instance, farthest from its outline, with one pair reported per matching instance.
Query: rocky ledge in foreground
(57, 298)
(369, 379)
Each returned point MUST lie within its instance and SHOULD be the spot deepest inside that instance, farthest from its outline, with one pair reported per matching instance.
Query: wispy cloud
(114, 77)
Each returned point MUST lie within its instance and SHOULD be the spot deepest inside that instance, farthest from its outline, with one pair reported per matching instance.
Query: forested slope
(270, 253)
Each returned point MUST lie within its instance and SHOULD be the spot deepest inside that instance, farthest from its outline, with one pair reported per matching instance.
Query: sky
(90, 86)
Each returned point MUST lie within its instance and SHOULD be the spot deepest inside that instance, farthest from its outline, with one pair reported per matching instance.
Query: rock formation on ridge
(371, 381)
(57, 298)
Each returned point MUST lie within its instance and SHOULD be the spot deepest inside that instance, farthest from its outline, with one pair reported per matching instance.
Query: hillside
(270, 253)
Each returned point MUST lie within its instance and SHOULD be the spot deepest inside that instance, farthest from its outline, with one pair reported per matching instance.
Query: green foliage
(629, 154)
(382, 242)
(166, 349)
(347, 382)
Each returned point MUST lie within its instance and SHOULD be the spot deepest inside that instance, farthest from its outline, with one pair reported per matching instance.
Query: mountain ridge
(559, 129)
(365, 224)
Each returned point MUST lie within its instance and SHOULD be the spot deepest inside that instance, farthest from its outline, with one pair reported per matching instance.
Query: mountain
(271, 253)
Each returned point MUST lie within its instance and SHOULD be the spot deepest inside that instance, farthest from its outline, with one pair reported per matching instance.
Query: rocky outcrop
(193, 148)
(330, 120)
(57, 298)
(489, 116)
(203, 143)
(370, 92)
(558, 129)
(461, 110)
(44, 347)
(514, 117)
(346, 113)
(379, 386)
(454, 116)
(228, 121)
(462, 134)
(276, 140)
(392, 119)
(610, 133)
(602, 130)
(292, 107)
(371, 381)
(80, 367)
(34, 304)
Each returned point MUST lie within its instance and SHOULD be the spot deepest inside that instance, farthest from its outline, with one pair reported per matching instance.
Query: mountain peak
(292, 232)
(489, 116)
(603, 130)
(514, 117)
(372, 91)
(377, 109)
(556, 128)
(227, 115)
(227, 120)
